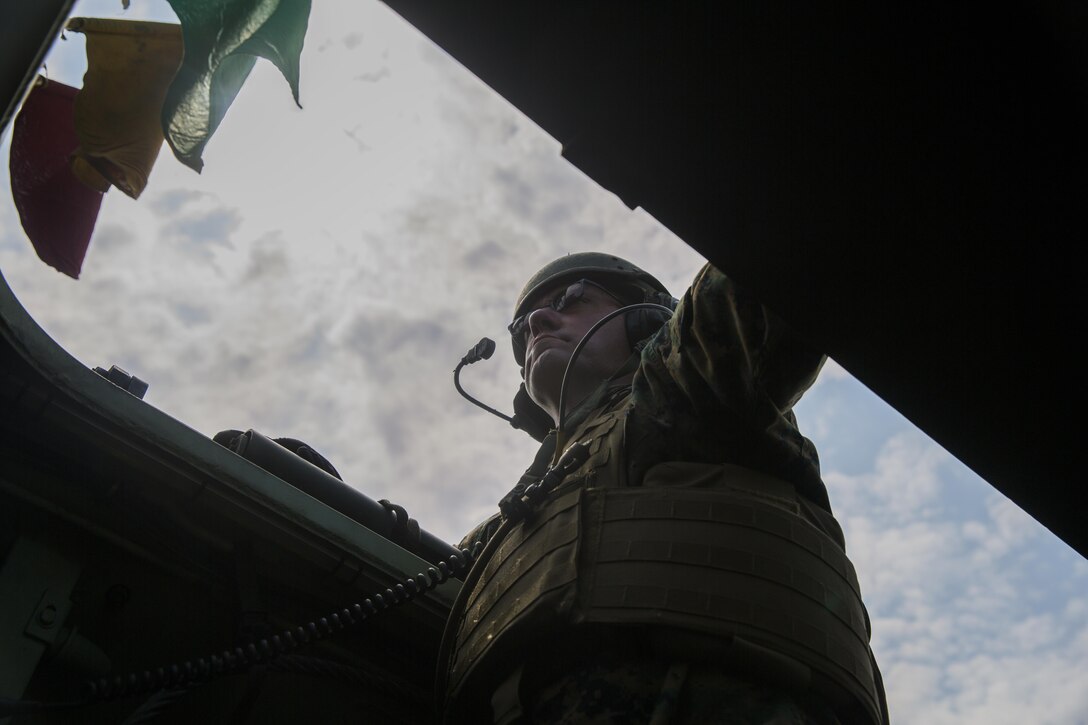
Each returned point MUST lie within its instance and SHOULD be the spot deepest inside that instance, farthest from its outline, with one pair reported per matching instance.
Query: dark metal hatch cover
(903, 182)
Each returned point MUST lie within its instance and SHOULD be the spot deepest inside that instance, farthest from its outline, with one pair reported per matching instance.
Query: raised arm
(719, 382)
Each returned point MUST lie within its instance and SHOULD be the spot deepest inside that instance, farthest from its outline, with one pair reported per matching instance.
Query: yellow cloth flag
(117, 113)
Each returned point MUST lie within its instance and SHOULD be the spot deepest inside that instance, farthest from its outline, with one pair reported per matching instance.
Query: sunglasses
(574, 293)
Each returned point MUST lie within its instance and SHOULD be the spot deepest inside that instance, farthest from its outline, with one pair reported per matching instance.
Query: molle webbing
(526, 587)
(699, 548)
(769, 583)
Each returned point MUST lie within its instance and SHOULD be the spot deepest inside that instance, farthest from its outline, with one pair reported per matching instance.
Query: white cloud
(961, 634)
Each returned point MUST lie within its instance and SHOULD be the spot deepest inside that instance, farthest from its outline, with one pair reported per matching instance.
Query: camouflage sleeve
(723, 348)
(719, 382)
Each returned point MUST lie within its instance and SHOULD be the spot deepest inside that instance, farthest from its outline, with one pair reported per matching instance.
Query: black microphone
(482, 350)
(527, 415)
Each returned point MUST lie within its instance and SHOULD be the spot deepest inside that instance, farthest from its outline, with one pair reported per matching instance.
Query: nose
(544, 319)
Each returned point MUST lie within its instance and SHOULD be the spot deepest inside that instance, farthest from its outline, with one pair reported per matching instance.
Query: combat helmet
(628, 282)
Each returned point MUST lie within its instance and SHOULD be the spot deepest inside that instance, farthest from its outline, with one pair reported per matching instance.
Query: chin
(543, 383)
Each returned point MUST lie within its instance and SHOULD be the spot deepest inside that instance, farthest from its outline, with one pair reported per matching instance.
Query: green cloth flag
(223, 39)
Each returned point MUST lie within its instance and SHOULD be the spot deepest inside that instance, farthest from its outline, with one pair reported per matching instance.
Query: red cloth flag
(57, 211)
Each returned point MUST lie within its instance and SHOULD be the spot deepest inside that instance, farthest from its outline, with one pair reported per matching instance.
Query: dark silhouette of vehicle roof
(905, 183)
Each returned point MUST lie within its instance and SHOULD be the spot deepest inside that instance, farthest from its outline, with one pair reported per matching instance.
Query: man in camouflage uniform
(670, 556)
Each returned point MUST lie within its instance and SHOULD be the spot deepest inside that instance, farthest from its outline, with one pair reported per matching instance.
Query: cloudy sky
(330, 266)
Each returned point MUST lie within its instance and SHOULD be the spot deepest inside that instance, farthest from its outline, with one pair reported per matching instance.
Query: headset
(641, 320)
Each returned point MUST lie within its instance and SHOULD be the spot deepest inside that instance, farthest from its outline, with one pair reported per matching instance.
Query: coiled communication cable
(265, 650)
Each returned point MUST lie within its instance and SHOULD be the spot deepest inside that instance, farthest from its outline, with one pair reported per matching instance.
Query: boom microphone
(483, 350)
(527, 416)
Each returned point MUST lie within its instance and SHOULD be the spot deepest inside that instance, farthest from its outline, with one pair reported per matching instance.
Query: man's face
(552, 336)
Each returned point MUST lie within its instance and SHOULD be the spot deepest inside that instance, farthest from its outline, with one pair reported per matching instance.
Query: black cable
(585, 338)
(449, 634)
(515, 510)
(265, 650)
(469, 398)
(574, 457)
(240, 659)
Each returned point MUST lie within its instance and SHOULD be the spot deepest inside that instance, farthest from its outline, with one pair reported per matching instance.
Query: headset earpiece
(641, 324)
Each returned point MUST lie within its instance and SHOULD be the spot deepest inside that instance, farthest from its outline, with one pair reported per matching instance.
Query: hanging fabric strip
(129, 67)
(57, 212)
(223, 39)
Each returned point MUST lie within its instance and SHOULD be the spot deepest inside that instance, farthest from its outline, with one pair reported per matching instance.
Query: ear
(522, 371)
